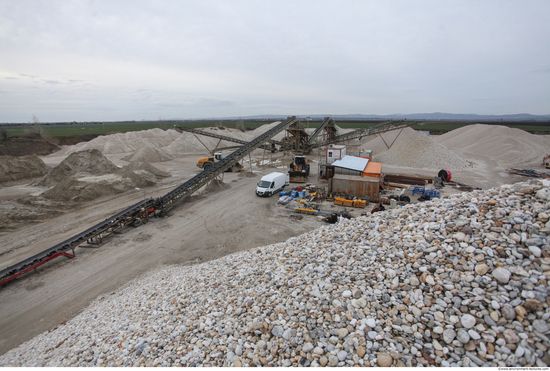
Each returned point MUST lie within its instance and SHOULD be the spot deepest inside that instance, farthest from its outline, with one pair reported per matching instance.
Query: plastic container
(302, 194)
(445, 175)
(294, 194)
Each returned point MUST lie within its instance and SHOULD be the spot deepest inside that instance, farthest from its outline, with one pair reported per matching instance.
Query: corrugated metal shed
(354, 185)
(352, 163)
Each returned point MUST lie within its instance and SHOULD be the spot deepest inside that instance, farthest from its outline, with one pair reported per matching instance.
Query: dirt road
(210, 225)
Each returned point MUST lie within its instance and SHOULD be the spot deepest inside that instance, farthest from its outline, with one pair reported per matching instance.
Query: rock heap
(461, 281)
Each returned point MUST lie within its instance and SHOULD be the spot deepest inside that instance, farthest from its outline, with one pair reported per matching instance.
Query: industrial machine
(213, 167)
(299, 170)
(206, 162)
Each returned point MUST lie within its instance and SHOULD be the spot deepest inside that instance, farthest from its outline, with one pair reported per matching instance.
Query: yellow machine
(206, 162)
(299, 170)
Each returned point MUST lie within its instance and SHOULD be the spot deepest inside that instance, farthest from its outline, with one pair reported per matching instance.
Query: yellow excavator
(206, 162)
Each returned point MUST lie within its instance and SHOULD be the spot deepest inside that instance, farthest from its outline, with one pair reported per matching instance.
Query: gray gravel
(453, 282)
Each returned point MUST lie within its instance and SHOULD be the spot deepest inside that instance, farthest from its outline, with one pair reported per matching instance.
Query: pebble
(384, 360)
(452, 282)
(468, 321)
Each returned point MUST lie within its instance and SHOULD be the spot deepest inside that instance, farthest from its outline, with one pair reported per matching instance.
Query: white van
(272, 183)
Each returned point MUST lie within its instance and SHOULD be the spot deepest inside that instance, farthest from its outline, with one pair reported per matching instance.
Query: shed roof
(352, 162)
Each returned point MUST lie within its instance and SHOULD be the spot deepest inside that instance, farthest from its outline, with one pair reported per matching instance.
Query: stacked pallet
(345, 202)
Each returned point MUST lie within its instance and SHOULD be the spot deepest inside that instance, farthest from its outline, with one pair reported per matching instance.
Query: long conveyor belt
(141, 210)
(223, 137)
(363, 132)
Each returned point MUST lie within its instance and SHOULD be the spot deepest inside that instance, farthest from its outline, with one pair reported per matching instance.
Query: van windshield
(264, 184)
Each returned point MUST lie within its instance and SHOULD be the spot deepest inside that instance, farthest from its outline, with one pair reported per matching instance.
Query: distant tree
(4, 134)
(37, 126)
(240, 124)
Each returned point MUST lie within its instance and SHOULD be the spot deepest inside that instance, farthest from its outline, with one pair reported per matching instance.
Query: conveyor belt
(363, 132)
(223, 137)
(107, 226)
(193, 184)
(327, 121)
(143, 208)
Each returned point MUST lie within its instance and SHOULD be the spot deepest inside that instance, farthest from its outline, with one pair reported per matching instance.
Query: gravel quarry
(229, 280)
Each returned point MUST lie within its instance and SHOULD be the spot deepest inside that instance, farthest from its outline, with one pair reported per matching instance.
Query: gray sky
(115, 60)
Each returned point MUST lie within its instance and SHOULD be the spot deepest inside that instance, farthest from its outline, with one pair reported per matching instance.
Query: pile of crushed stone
(90, 162)
(157, 145)
(148, 171)
(459, 282)
(91, 188)
(21, 167)
(148, 154)
(508, 147)
(379, 143)
(421, 151)
(87, 175)
(127, 142)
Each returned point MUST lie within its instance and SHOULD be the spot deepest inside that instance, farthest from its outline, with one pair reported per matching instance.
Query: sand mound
(128, 142)
(136, 166)
(147, 171)
(71, 189)
(86, 175)
(21, 167)
(379, 143)
(215, 186)
(148, 154)
(421, 151)
(509, 147)
(187, 143)
(88, 162)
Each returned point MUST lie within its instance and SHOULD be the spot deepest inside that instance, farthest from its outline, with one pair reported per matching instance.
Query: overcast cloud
(115, 60)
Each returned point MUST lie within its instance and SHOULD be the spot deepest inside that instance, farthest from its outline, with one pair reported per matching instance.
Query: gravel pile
(508, 147)
(421, 151)
(21, 167)
(461, 281)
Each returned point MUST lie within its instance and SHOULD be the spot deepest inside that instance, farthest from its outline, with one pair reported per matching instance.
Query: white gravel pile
(508, 147)
(461, 281)
(421, 151)
(127, 142)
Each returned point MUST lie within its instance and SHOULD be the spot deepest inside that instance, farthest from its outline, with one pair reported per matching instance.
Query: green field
(55, 130)
(59, 130)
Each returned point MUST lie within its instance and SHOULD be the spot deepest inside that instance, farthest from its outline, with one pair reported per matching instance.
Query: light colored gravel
(421, 151)
(461, 281)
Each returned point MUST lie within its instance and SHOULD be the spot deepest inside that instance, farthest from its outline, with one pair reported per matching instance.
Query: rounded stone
(384, 360)
(371, 322)
(468, 321)
(342, 355)
(449, 335)
(462, 336)
(481, 269)
(501, 274)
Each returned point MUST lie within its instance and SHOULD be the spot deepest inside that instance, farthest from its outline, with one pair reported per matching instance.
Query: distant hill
(399, 116)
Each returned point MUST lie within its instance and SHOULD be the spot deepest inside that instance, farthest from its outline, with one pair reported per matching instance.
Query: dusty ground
(212, 224)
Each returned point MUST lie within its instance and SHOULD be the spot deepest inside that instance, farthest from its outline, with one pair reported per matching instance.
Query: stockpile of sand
(508, 147)
(128, 142)
(188, 143)
(87, 175)
(379, 143)
(149, 154)
(90, 188)
(89, 162)
(421, 151)
(21, 167)
(147, 171)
